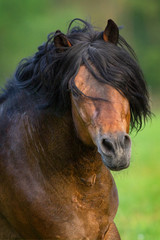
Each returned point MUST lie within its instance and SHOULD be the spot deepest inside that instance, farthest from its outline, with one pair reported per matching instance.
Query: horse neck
(63, 151)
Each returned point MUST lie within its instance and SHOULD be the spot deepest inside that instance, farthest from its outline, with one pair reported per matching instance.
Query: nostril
(107, 146)
(127, 141)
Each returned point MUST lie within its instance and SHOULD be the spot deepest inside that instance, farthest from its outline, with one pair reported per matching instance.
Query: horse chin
(115, 164)
(117, 168)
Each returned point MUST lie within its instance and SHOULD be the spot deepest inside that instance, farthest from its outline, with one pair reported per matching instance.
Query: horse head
(102, 117)
(101, 114)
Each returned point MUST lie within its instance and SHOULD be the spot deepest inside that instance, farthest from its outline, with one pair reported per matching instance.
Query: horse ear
(111, 32)
(61, 42)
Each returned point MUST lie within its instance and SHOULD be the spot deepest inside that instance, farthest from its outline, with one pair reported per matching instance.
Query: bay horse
(65, 119)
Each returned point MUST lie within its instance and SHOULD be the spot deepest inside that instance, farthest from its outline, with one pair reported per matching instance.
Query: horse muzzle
(115, 150)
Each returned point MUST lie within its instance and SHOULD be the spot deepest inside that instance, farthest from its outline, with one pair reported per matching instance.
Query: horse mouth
(116, 162)
(115, 150)
(118, 168)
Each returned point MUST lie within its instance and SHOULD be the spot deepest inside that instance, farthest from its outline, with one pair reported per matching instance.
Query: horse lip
(115, 167)
(119, 168)
(107, 160)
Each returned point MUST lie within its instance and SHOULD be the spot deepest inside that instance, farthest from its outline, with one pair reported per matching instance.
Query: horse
(65, 119)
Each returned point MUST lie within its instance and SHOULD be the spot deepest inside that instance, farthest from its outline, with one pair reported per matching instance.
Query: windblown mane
(48, 72)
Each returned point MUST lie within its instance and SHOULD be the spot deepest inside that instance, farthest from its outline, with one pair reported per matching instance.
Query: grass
(138, 216)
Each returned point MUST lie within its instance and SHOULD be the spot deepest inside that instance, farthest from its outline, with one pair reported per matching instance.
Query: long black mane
(46, 75)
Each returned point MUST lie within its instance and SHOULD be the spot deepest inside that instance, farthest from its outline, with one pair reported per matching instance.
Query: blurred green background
(25, 24)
